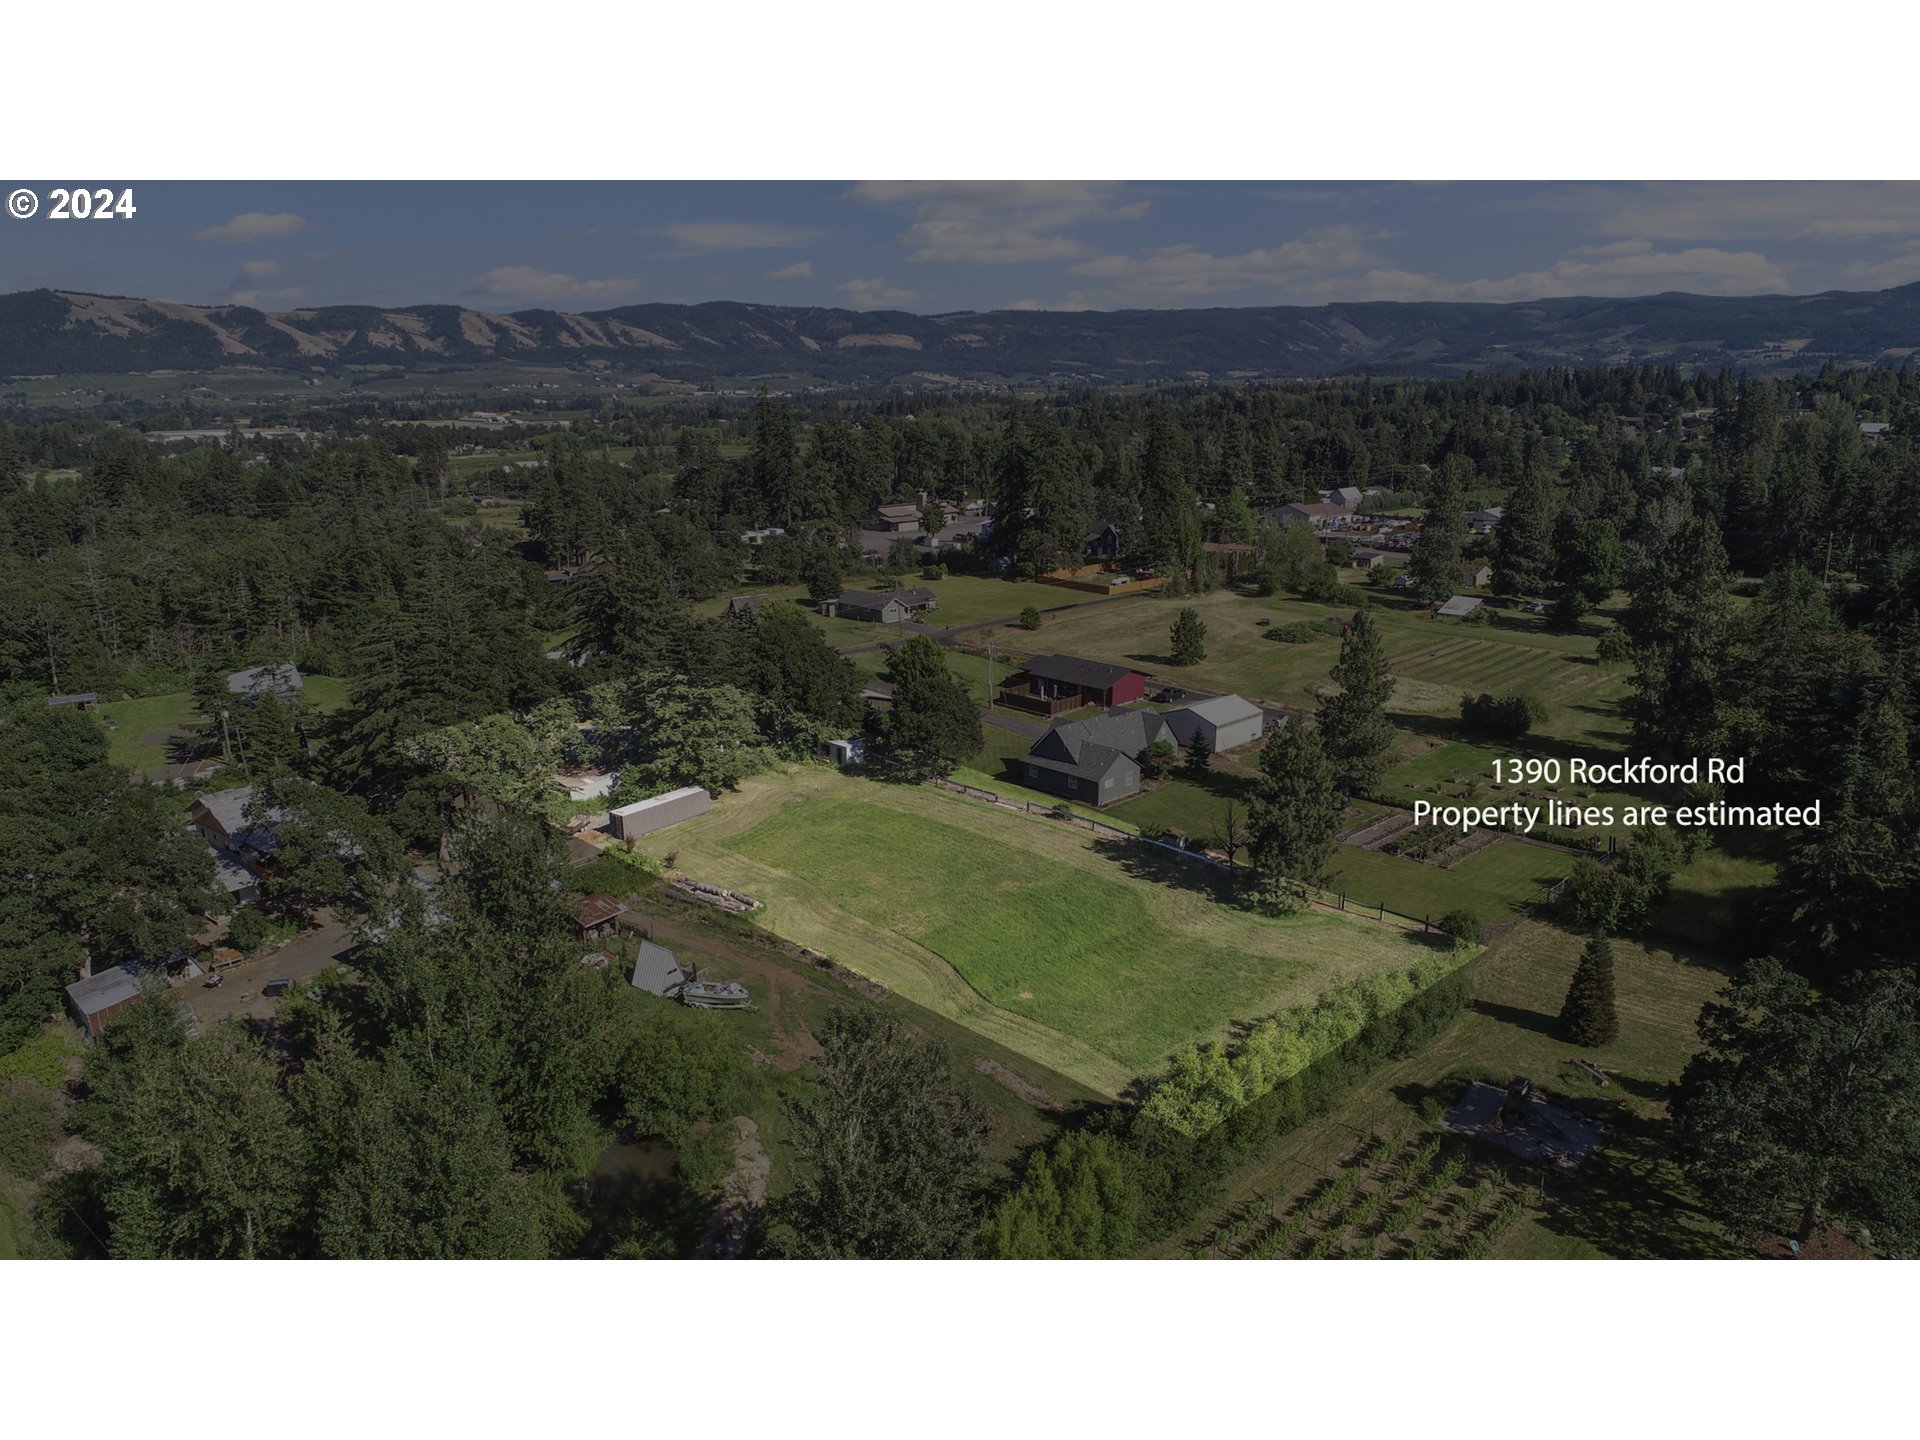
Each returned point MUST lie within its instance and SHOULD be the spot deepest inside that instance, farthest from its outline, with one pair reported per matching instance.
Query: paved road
(1025, 729)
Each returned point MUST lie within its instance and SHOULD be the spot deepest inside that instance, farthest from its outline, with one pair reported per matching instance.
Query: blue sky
(941, 246)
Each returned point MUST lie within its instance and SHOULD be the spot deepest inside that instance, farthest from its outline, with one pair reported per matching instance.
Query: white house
(1226, 720)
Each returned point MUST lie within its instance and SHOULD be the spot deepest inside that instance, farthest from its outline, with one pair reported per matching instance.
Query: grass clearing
(153, 715)
(1095, 958)
(1435, 660)
(1495, 884)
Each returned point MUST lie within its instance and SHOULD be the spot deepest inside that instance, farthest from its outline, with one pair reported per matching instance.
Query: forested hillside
(43, 332)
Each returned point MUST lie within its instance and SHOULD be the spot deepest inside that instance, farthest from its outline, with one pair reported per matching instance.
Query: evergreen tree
(1294, 818)
(1169, 531)
(1358, 737)
(1076, 1202)
(1802, 1105)
(202, 1156)
(773, 461)
(805, 690)
(933, 724)
(1588, 1017)
(1199, 756)
(1435, 563)
(1189, 637)
(821, 571)
(1678, 623)
(1523, 540)
(887, 1150)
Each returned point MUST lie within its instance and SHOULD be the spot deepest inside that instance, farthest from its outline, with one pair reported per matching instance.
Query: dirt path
(742, 1195)
(751, 964)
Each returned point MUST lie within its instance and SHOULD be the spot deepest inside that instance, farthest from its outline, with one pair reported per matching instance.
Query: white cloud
(1724, 211)
(265, 299)
(254, 225)
(999, 222)
(1902, 268)
(547, 287)
(799, 270)
(1620, 268)
(1186, 271)
(876, 295)
(260, 269)
(698, 237)
(1075, 301)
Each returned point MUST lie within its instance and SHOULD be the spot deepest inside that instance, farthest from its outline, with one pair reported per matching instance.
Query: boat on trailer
(715, 995)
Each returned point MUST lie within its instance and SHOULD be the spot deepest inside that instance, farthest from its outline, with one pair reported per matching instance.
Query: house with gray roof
(1460, 606)
(223, 818)
(883, 608)
(84, 700)
(1093, 762)
(283, 681)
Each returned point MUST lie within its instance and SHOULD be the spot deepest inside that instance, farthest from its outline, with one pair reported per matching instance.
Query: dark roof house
(1053, 684)
(1095, 762)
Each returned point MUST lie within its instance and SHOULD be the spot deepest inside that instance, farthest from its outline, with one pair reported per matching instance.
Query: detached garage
(643, 817)
(1226, 720)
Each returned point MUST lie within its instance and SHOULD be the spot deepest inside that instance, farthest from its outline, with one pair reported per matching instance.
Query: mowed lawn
(964, 600)
(1435, 660)
(153, 715)
(1096, 958)
(1494, 884)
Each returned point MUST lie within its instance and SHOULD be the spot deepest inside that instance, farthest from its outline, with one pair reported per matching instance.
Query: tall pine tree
(1588, 1017)
(1353, 719)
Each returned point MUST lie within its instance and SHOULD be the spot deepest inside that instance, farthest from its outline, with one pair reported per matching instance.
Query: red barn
(1054, 684)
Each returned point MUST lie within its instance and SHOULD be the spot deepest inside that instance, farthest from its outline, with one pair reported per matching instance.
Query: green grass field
(964, 600)
(1495, 884)
(1095, 959)
(134, 720)
(1436, 660)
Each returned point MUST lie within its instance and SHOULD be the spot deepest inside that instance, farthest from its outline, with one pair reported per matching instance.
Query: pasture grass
(1096, 958)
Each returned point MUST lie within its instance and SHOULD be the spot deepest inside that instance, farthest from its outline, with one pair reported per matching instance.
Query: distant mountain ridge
(47, 332)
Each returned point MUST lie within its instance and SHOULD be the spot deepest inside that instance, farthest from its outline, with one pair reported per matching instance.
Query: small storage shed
(94, 1001)
(644, 817)
(1226, 720)
(1460, 606)
(657, 971)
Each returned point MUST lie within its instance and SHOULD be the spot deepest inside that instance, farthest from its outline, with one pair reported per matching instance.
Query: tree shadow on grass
(1629, 1201)
(1513, 1015)
(1144, 861)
